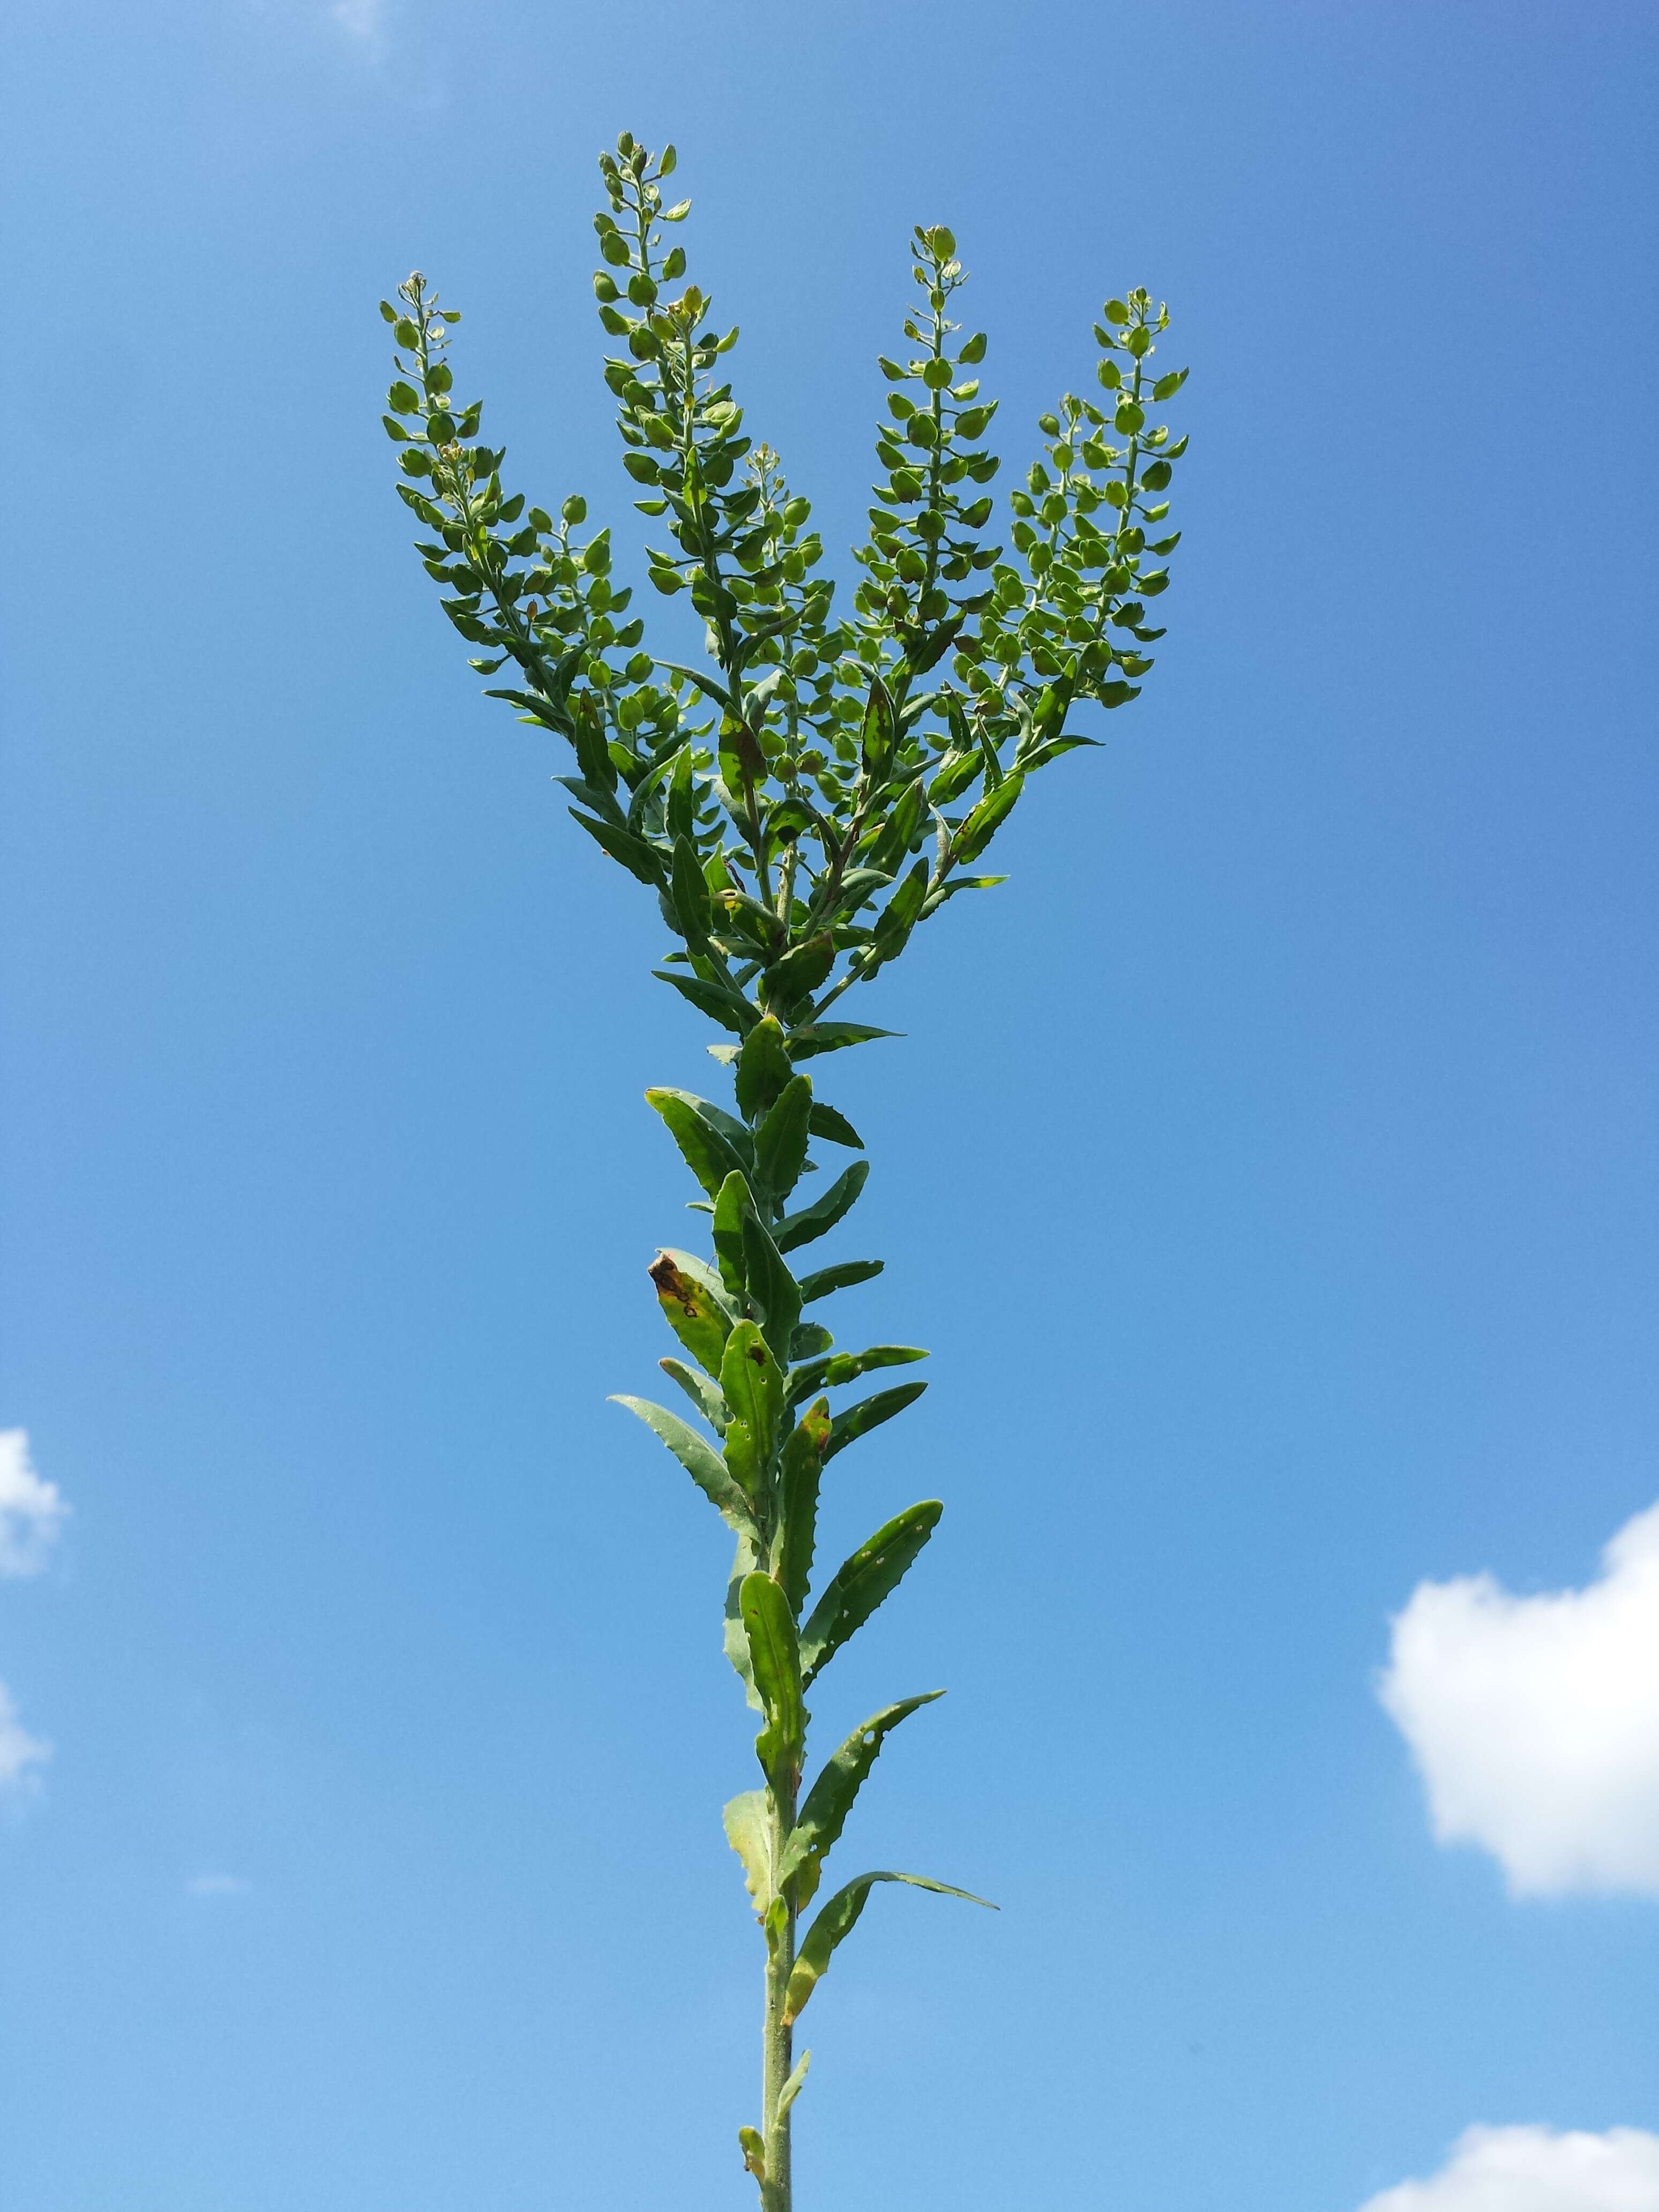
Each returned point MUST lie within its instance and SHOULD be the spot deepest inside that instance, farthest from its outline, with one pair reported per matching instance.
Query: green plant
(800, 805)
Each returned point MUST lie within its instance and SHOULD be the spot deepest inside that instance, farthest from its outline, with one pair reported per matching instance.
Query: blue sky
(1271, 1165)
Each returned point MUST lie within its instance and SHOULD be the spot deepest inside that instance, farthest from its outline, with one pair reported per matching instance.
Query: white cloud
(1535, 1721)
(218, 1885)
(31, 1512)
(361, 18)
(20, 1752)
(1532, 2170)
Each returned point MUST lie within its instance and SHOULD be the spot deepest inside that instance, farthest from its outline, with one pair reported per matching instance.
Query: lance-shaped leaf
(771, 1286)
(752, 1383)
(983, 823)
(704, 1394)
(697, 1455)
(748, 1831)
(860, 1583)
(696, 1314)
(763, 1066)
(824, 1121)
(830, 1037)
(780, 1140)
(708, 1150)
(727, 1007)
(792, 2088)
(870, 1413)
(635, 855)
(822, 1818)
(836, 1368)
(816, 1220)
(841, 1277)
(803, 1466)
(837, 1919)
(735, 1636)
(775, 1657)
(690, 891)
(799, 974)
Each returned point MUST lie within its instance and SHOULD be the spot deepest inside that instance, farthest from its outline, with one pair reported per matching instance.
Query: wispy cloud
(363, 20)
(1535, 1721)
(20, 1754)
(218, 1885)
(32, 1513)
(1533, 2170)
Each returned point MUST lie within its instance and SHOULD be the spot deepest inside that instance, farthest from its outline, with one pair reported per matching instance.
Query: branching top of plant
(816, 789)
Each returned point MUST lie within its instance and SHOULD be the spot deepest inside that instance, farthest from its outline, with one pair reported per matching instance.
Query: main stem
(777, 2039)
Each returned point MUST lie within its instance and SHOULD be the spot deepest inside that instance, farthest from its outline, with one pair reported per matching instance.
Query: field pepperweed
(799, 803)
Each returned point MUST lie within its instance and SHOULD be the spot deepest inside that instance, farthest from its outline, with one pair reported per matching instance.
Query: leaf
(709, 1151)
(635, 855)
(752, 1383)
(704, 1394)
(729, 1008)
(824, 1121)
(836, 1920)
(831, 1371)
(732, 1206)
(982, 824)
(860, 1583)
(762, 1066)
(822, 1818)
(748, 1831)
(771, 1286)
(869, 1413)
(697, 1455)
(832, 1036)
(817, 1220)
(799, 972)
(754, 2152)
(690, 894)
(780, 1140)
(734, 1636)
(841, 1277)
(697, 1317)
(802, 1469)
(776, 1658)
(792, 2088)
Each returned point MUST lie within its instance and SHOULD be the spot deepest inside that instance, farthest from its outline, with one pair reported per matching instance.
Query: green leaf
(799, 972)
(763, 1066)
(771, 1286)
(982, 824)
(792, 2088)
(708, 1153)
(869, 1413)
(841, 1277)
(729, 1008)
(776, 1660)
(733, 1205)
(822, 1818)
(697, 1455)
(817, 1220)
(752, 1383)
(803, 1466)
(780, 1140)
(748, 1831)
(704, 1394)
(696, 1313)
(830, 1372)
(860, 1583)
(635, 855)
(832, 1036)
(836, 1920)
(824, 1121)
(736, 1640)
(690, 894)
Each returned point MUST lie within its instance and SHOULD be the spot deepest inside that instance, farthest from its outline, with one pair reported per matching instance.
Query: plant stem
(777, 2039)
